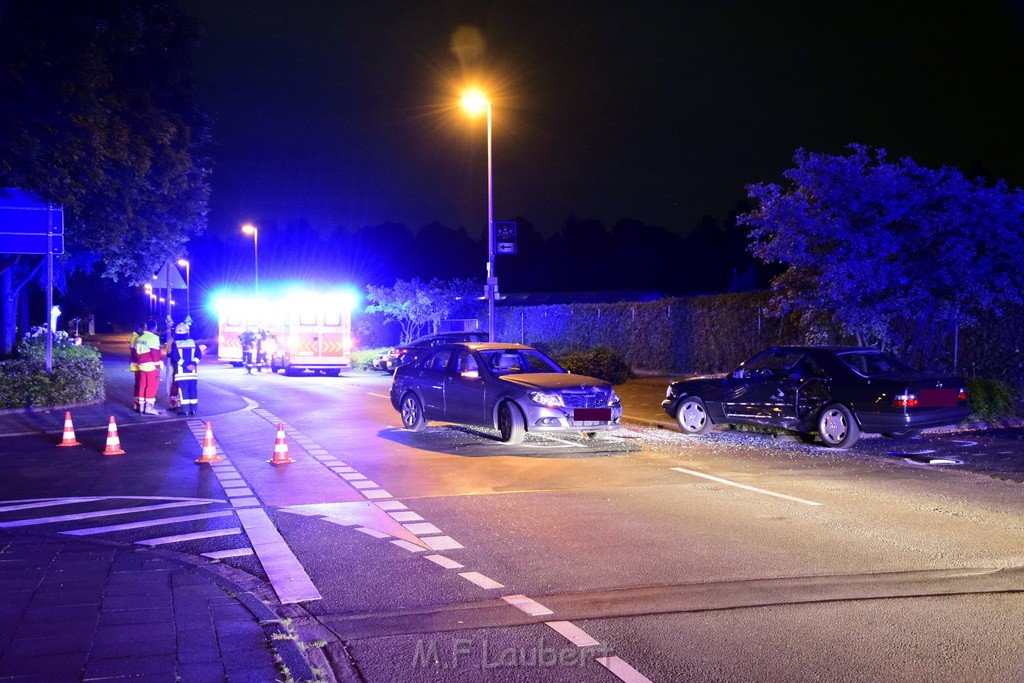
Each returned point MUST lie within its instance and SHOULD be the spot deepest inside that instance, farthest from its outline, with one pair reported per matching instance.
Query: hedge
(77, 375)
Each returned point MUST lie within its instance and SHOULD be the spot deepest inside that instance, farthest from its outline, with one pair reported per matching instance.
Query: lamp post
(188, 286)
(475, 101)
(250, 229)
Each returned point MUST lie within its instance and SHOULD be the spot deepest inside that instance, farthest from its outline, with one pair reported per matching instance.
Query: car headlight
(613, 398)
(549, 400)
(670, 393)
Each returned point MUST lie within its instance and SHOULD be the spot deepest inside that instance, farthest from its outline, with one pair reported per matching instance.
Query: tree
(415, 304)
(888, 252)
(96, 114)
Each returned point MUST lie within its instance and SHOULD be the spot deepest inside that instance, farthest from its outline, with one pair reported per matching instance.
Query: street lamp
(250, 229)
(188, 286)
(475, 101)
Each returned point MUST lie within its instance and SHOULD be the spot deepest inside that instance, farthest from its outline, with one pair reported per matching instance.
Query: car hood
(553, 380)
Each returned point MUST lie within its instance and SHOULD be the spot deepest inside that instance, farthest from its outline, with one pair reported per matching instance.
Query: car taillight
(961, 395)
(905, 401)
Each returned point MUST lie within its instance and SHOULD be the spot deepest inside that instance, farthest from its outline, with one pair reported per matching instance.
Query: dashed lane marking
(744, 486)
(573, 633)
(525, 604)
(224, 554)
(481, 580)
(622, 670)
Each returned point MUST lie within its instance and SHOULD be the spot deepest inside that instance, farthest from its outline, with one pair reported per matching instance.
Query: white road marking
(573, 633)
(623, 671)
(195, 536)
(479, 579)
(391, 505)
(531, 607)
(234, 552)
(101, 513)
(744, 486)
(148, 523)
(235, 493)
(441, 543)
(443, 561)
(370, 393)
(364, 484)
(353, 476)
(373, 494)
(422, 528)
(46, 503)
(407, 516)
(245, 502)
(409, 546)
(286, 574)
(373, 532)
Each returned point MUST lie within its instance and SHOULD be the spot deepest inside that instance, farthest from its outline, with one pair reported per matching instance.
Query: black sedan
(837, 392)
(511, 387)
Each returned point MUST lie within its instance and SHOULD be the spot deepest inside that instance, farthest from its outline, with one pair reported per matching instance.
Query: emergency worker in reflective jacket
(149, 358)
(133, 365)
(185, 355)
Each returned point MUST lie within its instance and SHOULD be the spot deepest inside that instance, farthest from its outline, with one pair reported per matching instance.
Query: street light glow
(474, 101)
(250, 229)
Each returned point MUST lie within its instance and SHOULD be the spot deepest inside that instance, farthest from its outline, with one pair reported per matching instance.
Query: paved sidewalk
(76, 610)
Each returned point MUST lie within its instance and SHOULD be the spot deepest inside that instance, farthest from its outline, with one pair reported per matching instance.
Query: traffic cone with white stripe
(280, 448)
(209, 447)
(69, 432)
(113, 443)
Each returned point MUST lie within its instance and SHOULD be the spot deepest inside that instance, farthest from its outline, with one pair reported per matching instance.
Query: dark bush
(601, 362)
(77, 375)
(990, 399)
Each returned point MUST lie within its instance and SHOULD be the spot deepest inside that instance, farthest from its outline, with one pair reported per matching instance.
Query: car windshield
(873, 363)
(508, 361)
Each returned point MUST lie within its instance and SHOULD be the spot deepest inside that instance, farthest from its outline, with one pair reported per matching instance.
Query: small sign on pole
(505, 237)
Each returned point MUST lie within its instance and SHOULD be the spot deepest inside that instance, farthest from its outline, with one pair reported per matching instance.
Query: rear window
(873, 363)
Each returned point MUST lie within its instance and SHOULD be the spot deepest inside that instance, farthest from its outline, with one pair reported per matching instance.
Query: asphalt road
(447, 555)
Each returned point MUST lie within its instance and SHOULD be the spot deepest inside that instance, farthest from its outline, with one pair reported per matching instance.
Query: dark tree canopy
(96, 114)
(888, 252)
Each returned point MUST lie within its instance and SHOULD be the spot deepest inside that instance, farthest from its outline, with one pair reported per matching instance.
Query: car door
(430, 377)
(765, 390)
(465, 391)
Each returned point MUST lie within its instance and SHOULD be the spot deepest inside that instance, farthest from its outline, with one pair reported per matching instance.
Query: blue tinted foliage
(888, 252)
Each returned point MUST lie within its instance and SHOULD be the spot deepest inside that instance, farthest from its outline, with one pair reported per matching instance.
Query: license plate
(592, 415)
(937, 398)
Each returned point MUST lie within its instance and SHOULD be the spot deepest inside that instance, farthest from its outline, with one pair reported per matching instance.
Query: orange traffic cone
(280, 448)
(69, 432)
(113, 443)
(209, 447)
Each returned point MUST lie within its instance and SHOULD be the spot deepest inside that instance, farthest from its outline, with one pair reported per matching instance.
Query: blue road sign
(15, 243)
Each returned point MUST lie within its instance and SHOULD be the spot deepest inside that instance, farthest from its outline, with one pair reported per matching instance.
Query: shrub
(990, 399)
(77, 375)
(601, 362)
(363, 360)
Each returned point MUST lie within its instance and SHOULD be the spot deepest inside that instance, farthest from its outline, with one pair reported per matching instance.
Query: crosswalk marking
(101, 513)
(213, 533)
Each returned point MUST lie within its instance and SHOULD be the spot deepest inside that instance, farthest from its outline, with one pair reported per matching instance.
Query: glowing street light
(475, 101)
(250, 229)
(188, 287)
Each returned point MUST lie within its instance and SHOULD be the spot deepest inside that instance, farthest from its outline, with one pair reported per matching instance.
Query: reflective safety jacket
(147, 351)
(133, 358)
(185, 355)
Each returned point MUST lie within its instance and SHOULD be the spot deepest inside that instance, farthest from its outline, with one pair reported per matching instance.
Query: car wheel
(905, 434)
(412, 413)
(837, 427)
(511, 424)
(692, 416)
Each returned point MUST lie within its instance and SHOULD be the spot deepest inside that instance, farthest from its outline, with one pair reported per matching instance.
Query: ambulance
(307, 330)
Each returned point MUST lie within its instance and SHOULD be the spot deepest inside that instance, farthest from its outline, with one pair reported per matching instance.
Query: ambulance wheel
(333, 372)
(292, 372)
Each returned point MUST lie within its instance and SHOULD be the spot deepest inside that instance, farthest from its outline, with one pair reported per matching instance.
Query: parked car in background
(837, 392)
(511, 387)
(400, 355)
(380, 361)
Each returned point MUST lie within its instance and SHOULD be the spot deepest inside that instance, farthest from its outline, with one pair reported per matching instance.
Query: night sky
(344, 114)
